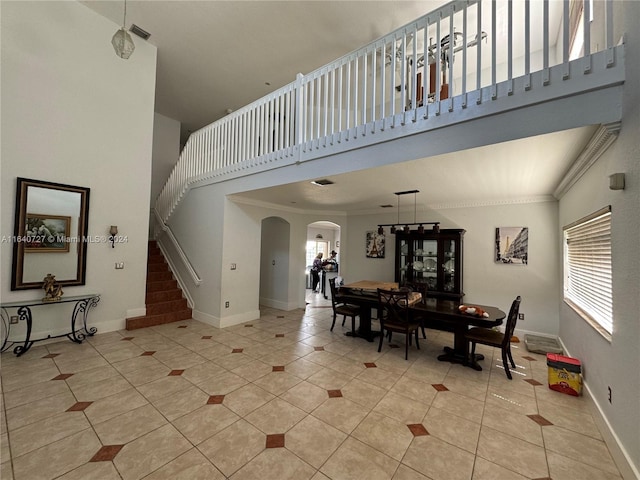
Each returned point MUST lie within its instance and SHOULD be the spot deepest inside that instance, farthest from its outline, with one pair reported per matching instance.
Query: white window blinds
(587, 260)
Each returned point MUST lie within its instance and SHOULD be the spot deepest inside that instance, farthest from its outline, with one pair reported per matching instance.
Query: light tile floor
(281, 398)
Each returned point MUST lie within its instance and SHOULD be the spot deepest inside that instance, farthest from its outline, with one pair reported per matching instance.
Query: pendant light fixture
(406, 228)
(121, 41)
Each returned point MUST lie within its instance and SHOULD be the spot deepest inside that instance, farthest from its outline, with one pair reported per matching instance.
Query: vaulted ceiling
(215, 56)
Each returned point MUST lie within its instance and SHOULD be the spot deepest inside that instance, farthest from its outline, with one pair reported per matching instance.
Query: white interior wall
(484, 281)
(75, 113)
(614, 364)
(166, 152)
(274, 263)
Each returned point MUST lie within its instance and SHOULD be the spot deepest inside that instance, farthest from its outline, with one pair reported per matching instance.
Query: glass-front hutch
(433, 259)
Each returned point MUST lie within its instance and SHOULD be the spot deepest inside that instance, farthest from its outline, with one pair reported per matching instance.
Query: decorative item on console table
(52, 289)
(433, 259)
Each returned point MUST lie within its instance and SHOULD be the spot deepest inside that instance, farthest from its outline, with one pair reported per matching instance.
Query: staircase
(164, 300)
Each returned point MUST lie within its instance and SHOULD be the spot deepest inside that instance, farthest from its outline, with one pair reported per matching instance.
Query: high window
(587, 269)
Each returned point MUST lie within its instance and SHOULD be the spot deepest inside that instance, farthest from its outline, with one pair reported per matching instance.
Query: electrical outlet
(233, 266)
(609, 394)
(521, 316)
(226, 304)
(13, 319)
(119, 265)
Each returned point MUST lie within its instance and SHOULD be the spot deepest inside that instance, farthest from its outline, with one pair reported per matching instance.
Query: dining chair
(342, 308)
(421, 288)
(497, 339)
(393, 306)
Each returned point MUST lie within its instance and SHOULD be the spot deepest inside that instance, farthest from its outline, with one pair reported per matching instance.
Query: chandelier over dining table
(406, 226)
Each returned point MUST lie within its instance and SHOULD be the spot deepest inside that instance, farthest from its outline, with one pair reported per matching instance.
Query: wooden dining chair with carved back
(421, 288)
(497, 339)
(395, 317)
(342, 308)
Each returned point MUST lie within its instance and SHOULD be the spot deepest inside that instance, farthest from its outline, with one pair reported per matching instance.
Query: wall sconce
(616, 181)
(113, 231)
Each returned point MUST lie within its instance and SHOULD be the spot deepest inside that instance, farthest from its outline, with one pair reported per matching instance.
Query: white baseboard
(621, 457)
(225, 321)
(136, 312)
(271, 303)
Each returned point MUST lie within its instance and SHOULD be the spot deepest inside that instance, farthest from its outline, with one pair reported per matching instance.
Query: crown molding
(599, 143)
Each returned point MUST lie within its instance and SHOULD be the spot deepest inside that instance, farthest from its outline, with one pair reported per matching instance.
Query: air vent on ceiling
(322, 182)
(139, 32)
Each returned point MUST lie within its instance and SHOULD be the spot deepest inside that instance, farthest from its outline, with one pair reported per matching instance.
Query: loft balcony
(468, 60)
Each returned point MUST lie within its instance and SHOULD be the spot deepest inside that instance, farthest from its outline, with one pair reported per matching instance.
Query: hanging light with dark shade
(406, 227)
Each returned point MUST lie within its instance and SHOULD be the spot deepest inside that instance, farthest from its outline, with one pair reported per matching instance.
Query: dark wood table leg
(460, 352)
(364, 330)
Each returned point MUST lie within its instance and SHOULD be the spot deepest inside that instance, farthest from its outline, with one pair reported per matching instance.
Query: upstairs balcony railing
(462, 55)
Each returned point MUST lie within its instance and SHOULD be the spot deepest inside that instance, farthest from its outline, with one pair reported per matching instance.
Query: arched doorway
(274, 263)
(322, 237)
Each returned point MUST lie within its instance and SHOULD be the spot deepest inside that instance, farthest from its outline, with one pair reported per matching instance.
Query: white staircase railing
(449, 60)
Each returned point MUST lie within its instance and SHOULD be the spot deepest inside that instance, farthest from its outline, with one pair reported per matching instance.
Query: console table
(77, 334)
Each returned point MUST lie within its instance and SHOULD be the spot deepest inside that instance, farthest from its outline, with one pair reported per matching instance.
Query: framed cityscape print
(512, 245)
(375, 245)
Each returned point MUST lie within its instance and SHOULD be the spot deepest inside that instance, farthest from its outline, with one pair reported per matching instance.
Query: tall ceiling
(216, 56)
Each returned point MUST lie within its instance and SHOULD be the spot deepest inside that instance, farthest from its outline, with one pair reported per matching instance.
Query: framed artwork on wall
(47, 233)
(512, 245)
(375, 245)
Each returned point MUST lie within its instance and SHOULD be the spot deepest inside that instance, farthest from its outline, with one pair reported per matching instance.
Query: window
(314, 247)
(587, 269)
(576, 27)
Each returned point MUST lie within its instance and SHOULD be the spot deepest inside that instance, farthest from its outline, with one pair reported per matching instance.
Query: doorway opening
(322, 237)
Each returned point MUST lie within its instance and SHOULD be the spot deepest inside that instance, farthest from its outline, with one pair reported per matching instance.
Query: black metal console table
(83, 304)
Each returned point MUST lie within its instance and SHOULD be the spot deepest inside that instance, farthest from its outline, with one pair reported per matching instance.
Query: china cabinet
(433, 259)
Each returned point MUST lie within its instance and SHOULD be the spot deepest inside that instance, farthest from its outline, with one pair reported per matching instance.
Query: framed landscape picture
(512, 245)
(47, 233)
(375, 245)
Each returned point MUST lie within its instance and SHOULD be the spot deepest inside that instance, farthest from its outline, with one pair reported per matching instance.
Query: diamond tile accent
(275, 440)
(540, 420)
(417, 429)
(63, 376)
(128, 339)
(393, 345)
(279, 335)
(440, 387)
(215, 400)
(206, 337)
(280, 316)
(146, 354)
(175, 373)
(319, 349)
(533, 382)
(370, 365)
(249, 326)
(106, 453)
(334, 393)
(78, 407)
(182, 326)
(531, 359)
(51, 355)
(278, 368)
(237, 350)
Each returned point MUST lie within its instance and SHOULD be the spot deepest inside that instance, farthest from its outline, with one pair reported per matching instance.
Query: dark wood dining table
(446, 312)
(436, 312)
